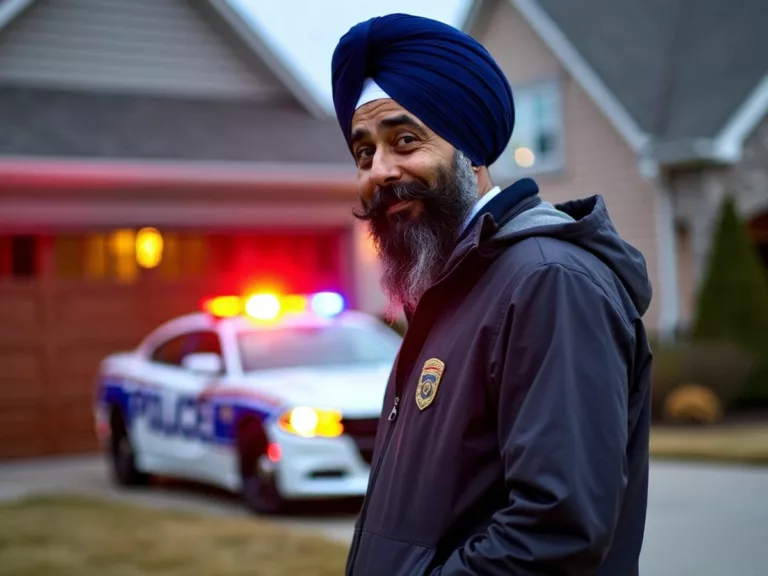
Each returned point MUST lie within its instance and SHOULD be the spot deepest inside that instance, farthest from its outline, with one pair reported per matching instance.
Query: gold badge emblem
(429, 382)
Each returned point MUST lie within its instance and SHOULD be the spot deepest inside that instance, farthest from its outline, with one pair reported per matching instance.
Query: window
(173, 351)
(23, 256)
(203, 341)
(537, 143)
(19, 256)
(98, 256)
(316, 346)
(170, 352)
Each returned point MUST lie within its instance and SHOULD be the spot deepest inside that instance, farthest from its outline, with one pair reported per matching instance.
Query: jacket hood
(586, 223)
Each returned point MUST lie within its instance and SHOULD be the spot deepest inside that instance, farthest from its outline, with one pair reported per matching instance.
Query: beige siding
(145, 46)
(516, 47)
(598, 160)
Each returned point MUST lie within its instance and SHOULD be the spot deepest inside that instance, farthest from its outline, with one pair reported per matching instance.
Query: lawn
(73, 536)
(747, 443)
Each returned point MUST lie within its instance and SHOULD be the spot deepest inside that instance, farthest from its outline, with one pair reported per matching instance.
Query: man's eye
(406, 139)
(363, 153)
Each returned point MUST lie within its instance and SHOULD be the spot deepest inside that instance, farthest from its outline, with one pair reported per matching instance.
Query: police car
(275, 397)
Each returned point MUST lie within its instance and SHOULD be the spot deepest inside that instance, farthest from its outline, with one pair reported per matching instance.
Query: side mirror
(203, 362)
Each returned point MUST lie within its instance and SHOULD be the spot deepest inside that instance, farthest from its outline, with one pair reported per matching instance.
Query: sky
(305, 32)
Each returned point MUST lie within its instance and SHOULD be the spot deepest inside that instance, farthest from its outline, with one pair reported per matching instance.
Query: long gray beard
(431, 243)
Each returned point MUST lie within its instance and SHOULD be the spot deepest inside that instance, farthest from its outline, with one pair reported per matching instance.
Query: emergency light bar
(268, 306)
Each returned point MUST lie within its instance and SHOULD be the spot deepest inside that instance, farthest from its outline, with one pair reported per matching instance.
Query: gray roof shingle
(43, 122)
(681, 68)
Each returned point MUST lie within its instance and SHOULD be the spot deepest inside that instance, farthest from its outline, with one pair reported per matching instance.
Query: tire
(122, 455)
(260, 492)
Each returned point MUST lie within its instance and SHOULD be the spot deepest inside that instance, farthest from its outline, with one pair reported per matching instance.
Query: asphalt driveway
(702, 519)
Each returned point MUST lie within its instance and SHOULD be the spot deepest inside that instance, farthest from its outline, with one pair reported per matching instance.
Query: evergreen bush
(732, 305)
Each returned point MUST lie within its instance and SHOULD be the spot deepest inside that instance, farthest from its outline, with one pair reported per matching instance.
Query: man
(514, 438)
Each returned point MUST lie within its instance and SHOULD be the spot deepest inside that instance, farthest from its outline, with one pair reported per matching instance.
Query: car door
(178, 437)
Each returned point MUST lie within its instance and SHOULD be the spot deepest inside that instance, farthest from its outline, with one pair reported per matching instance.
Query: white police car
(274, 397)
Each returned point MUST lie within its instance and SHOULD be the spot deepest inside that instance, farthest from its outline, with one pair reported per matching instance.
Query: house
(167, 130)
(660, 106)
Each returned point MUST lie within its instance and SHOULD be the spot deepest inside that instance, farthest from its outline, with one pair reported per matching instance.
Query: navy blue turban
(438, 73)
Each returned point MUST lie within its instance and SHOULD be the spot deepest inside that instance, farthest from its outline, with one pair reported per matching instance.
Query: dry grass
(70, 536)
(736, 443)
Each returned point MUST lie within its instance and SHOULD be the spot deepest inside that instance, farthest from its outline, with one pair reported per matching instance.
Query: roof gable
(681, 70)
(170, 48)
(679, 80)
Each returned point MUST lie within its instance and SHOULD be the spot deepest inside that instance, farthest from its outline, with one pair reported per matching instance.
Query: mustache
(386, 196)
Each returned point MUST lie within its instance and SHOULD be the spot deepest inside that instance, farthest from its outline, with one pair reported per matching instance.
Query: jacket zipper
(375, 473)
(385, 444)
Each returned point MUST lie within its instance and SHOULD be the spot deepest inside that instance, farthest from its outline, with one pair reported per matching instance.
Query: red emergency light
(266, 306)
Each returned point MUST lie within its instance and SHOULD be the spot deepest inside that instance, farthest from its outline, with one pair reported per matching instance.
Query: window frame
(184, 337)
(181, 328)
(505, 168)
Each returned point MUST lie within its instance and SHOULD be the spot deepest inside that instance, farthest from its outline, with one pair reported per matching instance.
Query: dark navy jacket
(526, 451)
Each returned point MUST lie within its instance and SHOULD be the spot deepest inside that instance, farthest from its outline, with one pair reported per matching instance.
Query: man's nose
(385, 171)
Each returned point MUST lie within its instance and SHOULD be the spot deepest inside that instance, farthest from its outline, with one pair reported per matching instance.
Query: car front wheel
(258, 473)
(123, 457)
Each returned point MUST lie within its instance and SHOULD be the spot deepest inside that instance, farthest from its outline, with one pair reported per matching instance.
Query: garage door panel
(22, 374)
(96, 307)
(77, 366)
(23, 430)
(17, 310)
(74, 422)
(21, 316)
(166, 304)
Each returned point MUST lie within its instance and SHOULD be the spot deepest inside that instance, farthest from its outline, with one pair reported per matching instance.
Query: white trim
(10, 9)
(472, 15)
(648, 167)
(252, 35)
(728, 143)
(578, 67)
(666, 262)
(159, 171)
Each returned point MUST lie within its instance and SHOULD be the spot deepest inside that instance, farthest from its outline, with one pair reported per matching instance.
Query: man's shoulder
(542, 252)
(546, 257)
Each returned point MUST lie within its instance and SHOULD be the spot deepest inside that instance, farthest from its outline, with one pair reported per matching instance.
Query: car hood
(356, 390)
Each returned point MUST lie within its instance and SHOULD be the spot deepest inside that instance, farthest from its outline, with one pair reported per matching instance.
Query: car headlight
(311, 422)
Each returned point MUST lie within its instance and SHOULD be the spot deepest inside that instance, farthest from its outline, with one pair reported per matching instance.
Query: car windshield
(317, 346)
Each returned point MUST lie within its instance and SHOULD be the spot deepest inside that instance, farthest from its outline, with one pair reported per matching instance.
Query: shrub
(692, 403)
(733, 301)
(721, 367)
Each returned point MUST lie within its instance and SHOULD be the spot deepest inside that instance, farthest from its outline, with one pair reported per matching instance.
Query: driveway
(702, 519)
(89, 475)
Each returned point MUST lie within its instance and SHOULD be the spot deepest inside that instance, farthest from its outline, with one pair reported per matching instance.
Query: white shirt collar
(482, 201)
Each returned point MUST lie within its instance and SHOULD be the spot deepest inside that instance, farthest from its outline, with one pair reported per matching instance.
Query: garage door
(68, 300)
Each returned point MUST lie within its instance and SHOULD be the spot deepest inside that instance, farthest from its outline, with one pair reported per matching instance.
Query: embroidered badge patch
(429, 382)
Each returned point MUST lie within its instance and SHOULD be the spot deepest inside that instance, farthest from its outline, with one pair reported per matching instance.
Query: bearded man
(514, 436)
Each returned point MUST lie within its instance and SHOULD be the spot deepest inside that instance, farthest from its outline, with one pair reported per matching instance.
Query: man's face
(416, 190)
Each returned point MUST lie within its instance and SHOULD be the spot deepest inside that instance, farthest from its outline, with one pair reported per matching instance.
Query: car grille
(363, 432)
